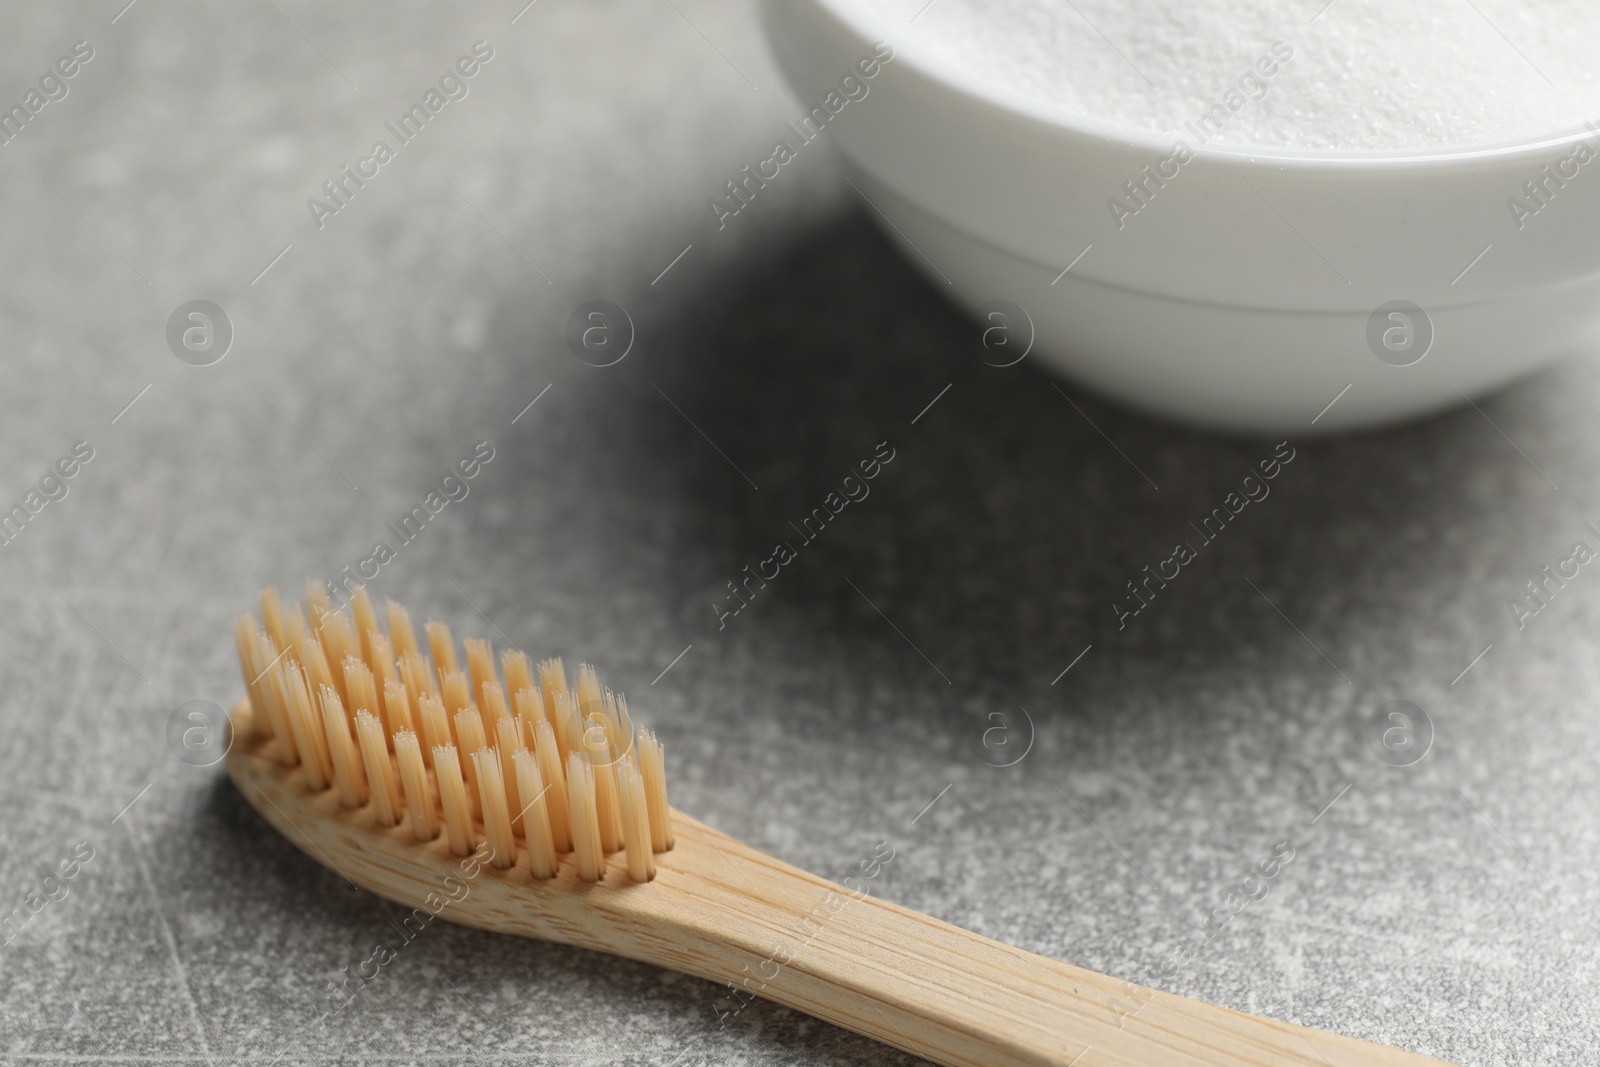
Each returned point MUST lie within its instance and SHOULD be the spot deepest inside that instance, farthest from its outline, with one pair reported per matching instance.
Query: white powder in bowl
(1353, 74)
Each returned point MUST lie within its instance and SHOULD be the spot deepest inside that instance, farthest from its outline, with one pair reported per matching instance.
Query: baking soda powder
(1350, 74)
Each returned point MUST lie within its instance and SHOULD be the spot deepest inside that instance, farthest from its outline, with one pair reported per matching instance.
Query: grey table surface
(1446, 907)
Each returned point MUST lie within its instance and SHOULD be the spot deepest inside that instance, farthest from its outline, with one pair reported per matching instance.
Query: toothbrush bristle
(380, 772)
(401, 632)
(414, 777)
(514, 668)
(496, 812)
(397, 708)
(480, 664)
(453, 797)
(347, 773)
(441, 646)
(513, 757)
(542, 861)
(586, 850)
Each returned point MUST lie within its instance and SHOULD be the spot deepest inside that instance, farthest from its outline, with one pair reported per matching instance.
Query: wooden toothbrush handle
(758, 926)
(959, 999)
(949, 995)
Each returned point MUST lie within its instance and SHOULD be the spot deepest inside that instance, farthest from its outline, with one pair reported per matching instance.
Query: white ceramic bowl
(1255, 286)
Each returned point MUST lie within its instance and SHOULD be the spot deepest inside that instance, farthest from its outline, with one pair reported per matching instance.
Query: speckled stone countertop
(1446, 906)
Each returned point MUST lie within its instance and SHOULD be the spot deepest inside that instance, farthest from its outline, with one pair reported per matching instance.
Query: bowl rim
(910, 50)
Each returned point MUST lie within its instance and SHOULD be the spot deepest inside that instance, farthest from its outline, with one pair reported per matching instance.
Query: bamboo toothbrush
(513, 801)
